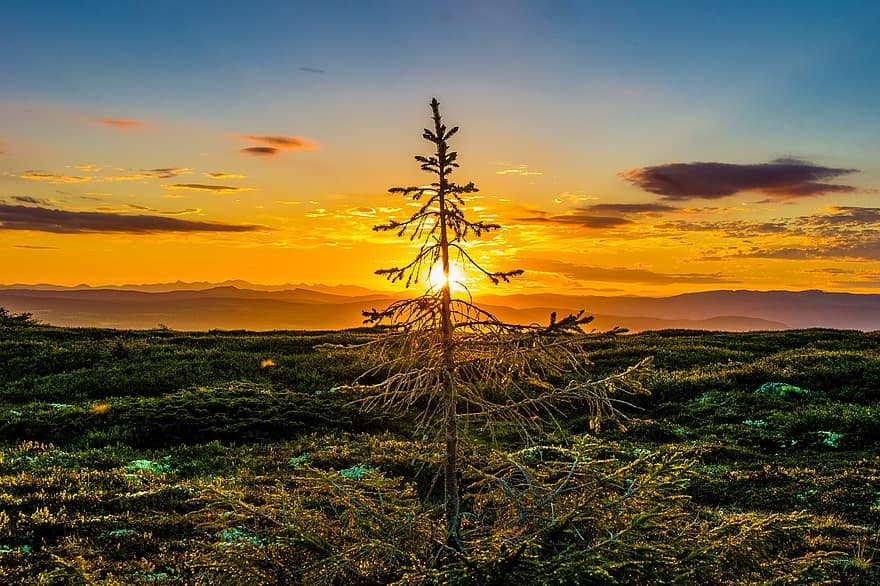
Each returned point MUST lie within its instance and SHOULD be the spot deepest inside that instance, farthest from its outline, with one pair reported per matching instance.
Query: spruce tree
(450, 361)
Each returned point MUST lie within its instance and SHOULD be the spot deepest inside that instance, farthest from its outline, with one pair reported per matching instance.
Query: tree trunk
(450, 458)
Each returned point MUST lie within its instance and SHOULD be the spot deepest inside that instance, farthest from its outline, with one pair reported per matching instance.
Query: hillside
(144, 457)
(195, 307)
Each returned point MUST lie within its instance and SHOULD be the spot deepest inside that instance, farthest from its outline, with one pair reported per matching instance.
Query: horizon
(498, 292)
(238, 305)
(638, 150)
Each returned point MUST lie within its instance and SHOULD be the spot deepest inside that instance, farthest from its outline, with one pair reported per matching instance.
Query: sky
(627, 148)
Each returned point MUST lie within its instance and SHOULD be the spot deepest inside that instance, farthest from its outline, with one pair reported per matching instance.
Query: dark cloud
(831, 271)
(833, 222)
(733, 228)
(629, 208)
(222, 175)
(206, 187)
(578, 219)
(283, 142)
(615, 275)
(865, 249)
(782, 178)
(166, 172)
(185, 212)
(29, 199)
(35, 247)
(312, 70)
(836, 233)
(261, 151)
(846, 215)
(121, 123)
(600, 216)
(16, 217)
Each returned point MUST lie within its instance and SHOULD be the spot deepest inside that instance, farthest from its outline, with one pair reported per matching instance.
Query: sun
(436, 279)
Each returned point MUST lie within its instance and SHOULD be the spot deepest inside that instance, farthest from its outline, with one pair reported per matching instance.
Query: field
(163, 457)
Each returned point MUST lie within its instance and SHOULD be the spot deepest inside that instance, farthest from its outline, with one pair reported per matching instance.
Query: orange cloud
(521, 170)
(283, 142)
(175, 213)
(121, 122)
(52, 178)
(205, 187)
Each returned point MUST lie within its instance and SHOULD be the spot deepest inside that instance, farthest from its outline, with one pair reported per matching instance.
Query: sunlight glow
(436, 279)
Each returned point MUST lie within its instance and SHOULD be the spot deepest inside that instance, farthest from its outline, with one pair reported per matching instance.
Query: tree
(451, 361)
(10, 319)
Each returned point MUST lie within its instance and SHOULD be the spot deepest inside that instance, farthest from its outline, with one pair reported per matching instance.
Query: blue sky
(556, 100)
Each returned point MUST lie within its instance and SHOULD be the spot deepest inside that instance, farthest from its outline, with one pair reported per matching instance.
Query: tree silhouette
(450, 361)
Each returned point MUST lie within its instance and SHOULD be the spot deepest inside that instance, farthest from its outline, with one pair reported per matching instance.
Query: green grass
(177, 458)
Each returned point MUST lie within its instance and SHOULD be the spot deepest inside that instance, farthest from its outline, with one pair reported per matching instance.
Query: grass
(143, 457)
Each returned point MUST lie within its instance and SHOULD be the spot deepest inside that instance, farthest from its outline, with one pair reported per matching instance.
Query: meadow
(231, 457)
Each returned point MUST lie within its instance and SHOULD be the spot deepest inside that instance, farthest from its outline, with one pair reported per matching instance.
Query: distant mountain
(350, 290)
(795, 309)
(189, 306)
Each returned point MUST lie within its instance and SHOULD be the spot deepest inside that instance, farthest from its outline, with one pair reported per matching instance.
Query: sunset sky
(647, 148)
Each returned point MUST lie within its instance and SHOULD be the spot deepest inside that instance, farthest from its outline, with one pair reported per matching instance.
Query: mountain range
(242, 305)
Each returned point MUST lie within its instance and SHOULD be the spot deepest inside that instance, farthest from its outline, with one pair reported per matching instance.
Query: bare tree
(449, 360)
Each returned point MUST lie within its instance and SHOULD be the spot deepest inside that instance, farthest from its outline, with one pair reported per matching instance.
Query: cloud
(868, 249)
(831, 222)
(615, 274)
(834, 233)
(312, 70)
(359, 212)
(35, 247)
(143, 174)
(166, 172)
(205, 187)
(737, 229)
(121, 122)
(832, 271)
(629, 208)
(261, 151)
(221, 175)
(185, 212)
(175, 213)
(600, 216)
(283, 142)
(578, 219)
(39, 219)
(29, 199)
(779, 179)
(847, 215)
(521, 170)
(52, 177)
